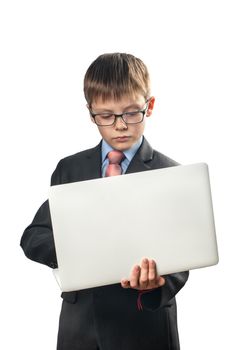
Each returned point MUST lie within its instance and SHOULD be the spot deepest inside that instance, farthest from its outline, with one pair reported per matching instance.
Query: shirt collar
(129, 153)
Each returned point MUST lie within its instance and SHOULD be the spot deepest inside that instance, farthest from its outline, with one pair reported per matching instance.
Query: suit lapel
(94, 163)
(142, 159)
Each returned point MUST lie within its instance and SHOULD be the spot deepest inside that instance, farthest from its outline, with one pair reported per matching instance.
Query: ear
(150, 106)
(92, 119)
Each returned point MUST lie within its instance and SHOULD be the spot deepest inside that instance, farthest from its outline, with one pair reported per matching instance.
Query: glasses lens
(104, 119)
(133, 117)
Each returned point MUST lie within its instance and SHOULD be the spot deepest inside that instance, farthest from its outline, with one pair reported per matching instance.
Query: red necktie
(115, 158)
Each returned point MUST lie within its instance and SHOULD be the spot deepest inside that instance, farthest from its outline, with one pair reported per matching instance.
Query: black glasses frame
(143, 111)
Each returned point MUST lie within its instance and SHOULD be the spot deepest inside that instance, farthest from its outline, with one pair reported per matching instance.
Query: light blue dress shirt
(129, 154)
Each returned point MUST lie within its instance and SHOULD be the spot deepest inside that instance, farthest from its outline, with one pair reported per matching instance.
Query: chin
(122, 146)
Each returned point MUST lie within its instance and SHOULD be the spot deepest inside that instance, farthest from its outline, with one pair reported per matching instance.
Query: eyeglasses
(107, 119)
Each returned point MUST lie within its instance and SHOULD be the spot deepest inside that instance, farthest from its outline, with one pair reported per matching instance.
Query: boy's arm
(37, 240)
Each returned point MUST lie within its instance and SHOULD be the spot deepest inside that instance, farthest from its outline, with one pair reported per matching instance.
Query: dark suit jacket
(115, 310)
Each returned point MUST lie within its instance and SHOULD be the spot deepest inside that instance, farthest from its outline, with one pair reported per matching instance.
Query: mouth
(122, 138)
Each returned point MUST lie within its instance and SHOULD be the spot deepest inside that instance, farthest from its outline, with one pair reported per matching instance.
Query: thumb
(161, 281)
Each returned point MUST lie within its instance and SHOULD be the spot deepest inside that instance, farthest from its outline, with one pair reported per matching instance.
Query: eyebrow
(133, 106)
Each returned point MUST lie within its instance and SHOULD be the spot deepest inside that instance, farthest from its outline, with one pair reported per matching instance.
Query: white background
(197, 55)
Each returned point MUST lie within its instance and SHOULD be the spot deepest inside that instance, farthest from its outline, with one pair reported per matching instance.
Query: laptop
(103, 227)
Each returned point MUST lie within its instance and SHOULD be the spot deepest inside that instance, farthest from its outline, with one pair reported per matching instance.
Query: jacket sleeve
(162, 296)
(37, 240)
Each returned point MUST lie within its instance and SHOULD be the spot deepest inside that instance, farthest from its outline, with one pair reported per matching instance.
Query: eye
(132, 114)
(105, 115)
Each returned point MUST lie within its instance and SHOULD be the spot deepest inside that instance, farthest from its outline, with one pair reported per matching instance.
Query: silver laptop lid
(103, 227)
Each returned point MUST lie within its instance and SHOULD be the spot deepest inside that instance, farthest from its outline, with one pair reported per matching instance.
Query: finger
(152, 275)
(161, 281)
(143, 280)
(134, 278)
(125, 283)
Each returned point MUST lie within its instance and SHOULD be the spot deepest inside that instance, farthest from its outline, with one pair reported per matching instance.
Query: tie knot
(115, 157)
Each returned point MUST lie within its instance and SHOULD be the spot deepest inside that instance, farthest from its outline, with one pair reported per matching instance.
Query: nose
(120, 124)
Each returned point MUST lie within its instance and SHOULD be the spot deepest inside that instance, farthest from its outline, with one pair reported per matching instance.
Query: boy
(139, 313)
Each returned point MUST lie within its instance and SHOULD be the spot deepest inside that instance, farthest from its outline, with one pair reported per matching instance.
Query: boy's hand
(144, 277)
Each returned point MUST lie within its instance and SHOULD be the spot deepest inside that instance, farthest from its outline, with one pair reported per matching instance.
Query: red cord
(141, 292)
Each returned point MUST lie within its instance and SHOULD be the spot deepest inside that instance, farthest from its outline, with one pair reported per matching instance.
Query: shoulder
(79, 156)
(162, 160)
(78, 166)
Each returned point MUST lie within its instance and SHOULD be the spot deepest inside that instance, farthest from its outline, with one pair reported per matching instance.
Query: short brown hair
(114, 75)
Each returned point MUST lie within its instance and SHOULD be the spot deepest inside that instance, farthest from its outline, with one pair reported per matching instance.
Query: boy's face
(122, 136)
